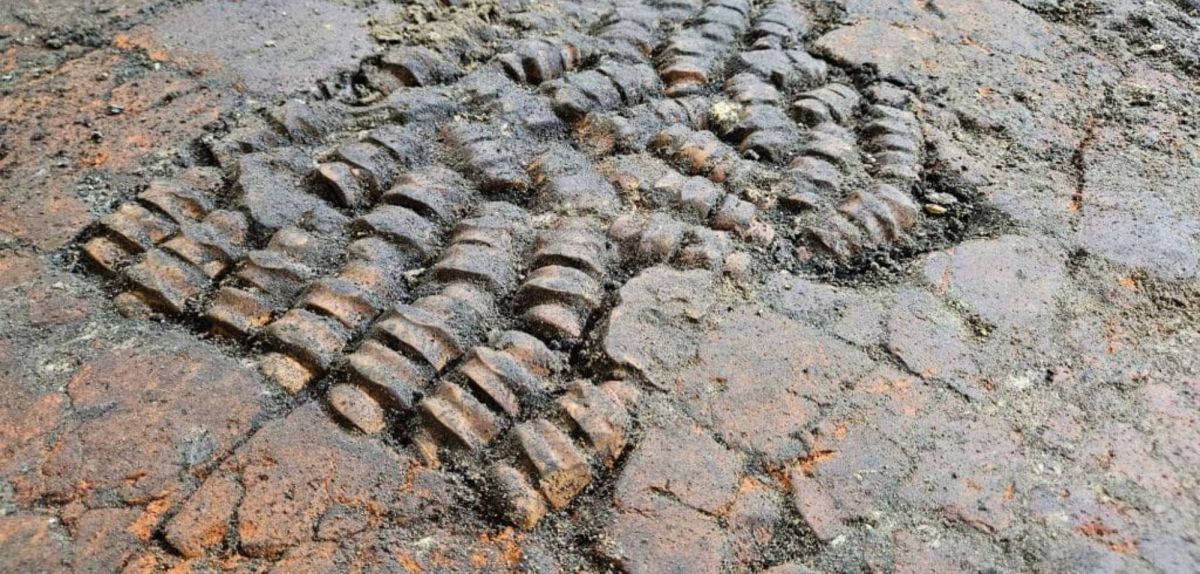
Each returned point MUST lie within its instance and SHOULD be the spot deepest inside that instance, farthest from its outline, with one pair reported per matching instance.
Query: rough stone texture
(1010, 282)
(726, 390)
(105, 538)
(203, 522)
(306, 41)
(187, 406)
(688, 467)
(1133, 216)
(846, 478)
(666, 537)
(1014, 388)
(969, 476)
(32, 542)
(303, 474)
(932, 342)
(648, 331)
(753, 522)
(77, 161)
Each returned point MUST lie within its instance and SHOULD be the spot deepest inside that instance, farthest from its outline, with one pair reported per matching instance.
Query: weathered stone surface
(753, 521)
(933, 342)
(187, 404)
(790, 568)
(274, 196)
(304, 477)
(49, 19)
(1011, 281)
(1007, 44)
(951, 551)
(33, 542)
(851, 315)
(442, 549)
(46, 205)
(968, 470)
(666, 537)
(649, 330)
(304, 41)
(298, 469)
(1133, 217)
(203, 522)
(311, 557)
(847, 475)
(1008, 384)
(105, 538)
(28, 410)
(728, 387)
(684, 465)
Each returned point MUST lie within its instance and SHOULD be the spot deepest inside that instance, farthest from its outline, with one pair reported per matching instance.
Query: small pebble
(934, 209)
(739, 267)
(1156, 48)
(804, 200)
(725, 115)
(940, 198)
(115, 110)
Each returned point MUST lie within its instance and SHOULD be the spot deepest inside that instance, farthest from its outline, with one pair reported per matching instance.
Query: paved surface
(657, 286)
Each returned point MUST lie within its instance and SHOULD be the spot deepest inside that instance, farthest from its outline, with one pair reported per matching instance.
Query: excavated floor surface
(588, 286)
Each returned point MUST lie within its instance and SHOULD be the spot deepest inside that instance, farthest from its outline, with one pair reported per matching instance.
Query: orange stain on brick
(142, 39)
(408, 562)
(145, 525)
(507, 542)
(1100, 532)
